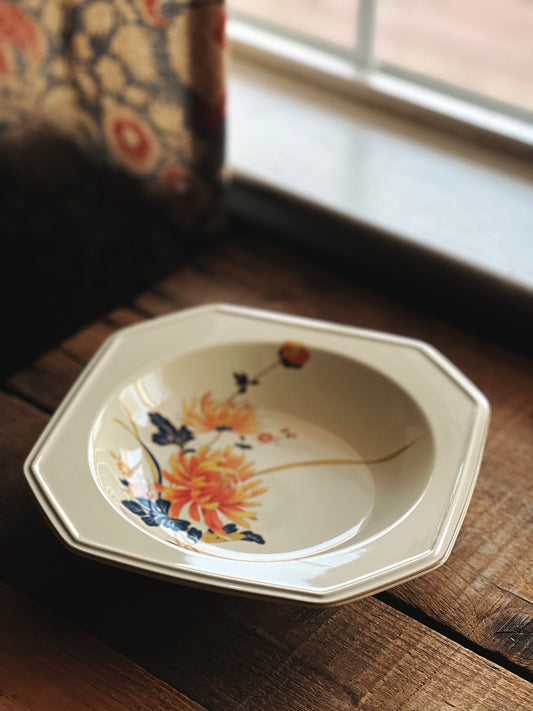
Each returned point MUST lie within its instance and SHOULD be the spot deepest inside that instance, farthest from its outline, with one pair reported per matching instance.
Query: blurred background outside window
(481, 50)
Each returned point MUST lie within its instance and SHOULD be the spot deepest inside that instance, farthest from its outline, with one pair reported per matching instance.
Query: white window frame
(357, 73)
(300, 112)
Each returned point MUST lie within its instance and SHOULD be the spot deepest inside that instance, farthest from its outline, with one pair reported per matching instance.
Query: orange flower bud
(293, 354)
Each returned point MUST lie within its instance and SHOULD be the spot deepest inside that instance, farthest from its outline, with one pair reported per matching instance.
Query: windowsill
(422, 189)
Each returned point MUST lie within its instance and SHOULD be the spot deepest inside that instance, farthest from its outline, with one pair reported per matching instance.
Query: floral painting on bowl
(209, 488)
(263, 454)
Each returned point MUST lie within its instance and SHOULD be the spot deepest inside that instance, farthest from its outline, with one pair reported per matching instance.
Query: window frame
(358, 73)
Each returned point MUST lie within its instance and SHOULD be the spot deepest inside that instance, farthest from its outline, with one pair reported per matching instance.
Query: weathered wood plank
(48, 663)
(343, 659)
(227, 652)
(124, 316)
(84, 344)
(484, 590)
(48, 380)
(150, 302)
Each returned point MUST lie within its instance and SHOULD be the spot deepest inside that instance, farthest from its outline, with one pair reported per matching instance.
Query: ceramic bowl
(263, 454)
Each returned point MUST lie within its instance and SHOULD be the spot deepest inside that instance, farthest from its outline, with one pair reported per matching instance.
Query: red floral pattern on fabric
(138, 83)
(131, 139)
(18, 29)
(151, 10)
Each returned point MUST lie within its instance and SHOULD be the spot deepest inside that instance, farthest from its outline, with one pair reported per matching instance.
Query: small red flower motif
(293, 354)
(265, 437)
(132, 140)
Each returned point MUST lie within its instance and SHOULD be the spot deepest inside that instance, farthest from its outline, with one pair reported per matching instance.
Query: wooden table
(77, 634)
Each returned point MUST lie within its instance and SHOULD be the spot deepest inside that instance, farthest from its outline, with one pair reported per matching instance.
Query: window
(468, 59)
(465, 66)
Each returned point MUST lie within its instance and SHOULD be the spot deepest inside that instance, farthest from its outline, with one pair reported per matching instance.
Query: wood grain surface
(46, 663)
(458, 637)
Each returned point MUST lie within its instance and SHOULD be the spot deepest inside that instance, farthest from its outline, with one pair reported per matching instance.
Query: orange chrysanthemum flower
(208, 415)
(213, 483)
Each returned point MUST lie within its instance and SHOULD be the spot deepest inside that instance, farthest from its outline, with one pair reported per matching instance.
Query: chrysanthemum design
(212, 484)
(208, 415)
(217, 487)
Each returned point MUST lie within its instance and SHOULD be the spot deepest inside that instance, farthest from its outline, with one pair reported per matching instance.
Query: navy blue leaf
(134, 507)
(124, 481)
(252, 537)
(155, 513)
(243, 446)
(229, 528)
(148, 505)
(176, 524)
(195, 534)
(241, 380)
(167, 433)
(162, 505)
(184, 435)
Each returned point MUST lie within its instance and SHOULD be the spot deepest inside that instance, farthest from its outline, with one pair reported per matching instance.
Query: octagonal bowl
(263, 454)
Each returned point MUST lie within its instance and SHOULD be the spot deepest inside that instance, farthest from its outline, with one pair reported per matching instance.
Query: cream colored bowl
(263, 454)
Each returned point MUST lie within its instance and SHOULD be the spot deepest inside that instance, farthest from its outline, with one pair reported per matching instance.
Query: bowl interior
(262, 450)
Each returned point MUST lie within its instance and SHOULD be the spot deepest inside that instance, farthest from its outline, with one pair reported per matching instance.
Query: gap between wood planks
(127, 316)
(445, 630)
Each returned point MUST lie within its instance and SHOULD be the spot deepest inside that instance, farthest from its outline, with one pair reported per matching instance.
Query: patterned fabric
(111, 145)
(136, 84)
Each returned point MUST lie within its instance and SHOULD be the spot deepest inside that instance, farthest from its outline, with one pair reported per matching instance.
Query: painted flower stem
(255, 378)
(266, 370)
(331, 462)
(214, 440)
(156, 469)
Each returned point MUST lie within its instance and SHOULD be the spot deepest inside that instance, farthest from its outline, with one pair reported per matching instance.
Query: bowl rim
(416, 558)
